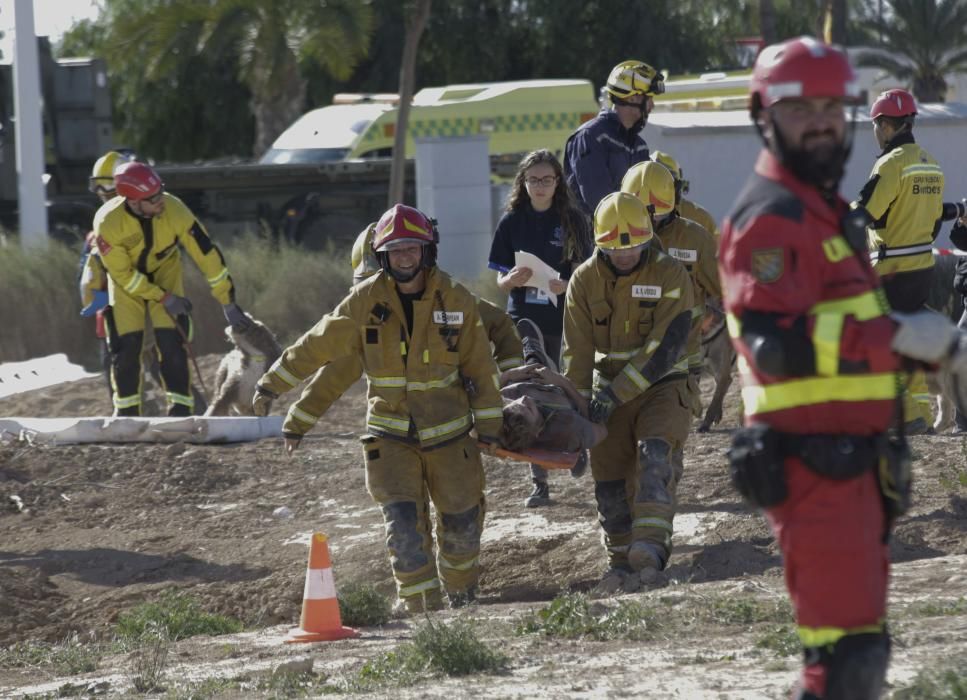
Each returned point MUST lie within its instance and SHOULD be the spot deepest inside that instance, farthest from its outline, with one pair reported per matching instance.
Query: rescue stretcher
(544, 458)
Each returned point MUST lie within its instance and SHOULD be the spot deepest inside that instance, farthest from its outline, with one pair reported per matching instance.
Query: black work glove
(237, 319)
(176, 305)
(602, 406)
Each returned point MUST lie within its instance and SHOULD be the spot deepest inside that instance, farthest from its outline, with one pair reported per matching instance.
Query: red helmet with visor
(137, 181)
(801, 68)
(894, 103)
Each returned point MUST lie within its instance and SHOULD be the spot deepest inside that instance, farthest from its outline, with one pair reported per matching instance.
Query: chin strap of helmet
(427, 260)
(642, 108)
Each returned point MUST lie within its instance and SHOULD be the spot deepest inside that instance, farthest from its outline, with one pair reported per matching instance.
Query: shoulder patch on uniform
(767, 264)
(103, 247)
(453, 318)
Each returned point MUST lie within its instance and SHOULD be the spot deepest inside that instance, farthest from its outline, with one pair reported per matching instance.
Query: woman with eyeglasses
(541, 218)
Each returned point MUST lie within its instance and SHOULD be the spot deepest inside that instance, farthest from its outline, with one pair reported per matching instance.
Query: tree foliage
(230, 65)
(921, 41)
(244, 69)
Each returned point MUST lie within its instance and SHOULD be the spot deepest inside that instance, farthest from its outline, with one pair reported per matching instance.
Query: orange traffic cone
(320, 621)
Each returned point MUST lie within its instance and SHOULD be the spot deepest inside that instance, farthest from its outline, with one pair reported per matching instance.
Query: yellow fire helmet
(653, 184)
(634, 78)
(363, 258)
(621, 221)
(681, 184)
(102, 174)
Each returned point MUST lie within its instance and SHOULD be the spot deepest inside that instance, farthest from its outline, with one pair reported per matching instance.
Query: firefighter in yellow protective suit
(686, 208)
(626, 325)
(686, 241)
(420, 339)
(902, 204)
(138, 235)
(334, 379)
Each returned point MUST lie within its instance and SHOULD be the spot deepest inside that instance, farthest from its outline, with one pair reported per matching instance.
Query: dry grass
(286, 287)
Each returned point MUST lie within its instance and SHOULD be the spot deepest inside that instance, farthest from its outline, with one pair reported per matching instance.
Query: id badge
(534, 295)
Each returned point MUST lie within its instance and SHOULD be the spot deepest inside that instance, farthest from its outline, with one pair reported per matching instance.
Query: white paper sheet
(542, 273)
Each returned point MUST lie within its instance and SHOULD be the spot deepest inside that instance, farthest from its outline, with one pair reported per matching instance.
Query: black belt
(835, 456)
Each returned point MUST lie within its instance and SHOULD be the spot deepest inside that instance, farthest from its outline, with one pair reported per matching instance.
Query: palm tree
(270, 37)
(923, 40)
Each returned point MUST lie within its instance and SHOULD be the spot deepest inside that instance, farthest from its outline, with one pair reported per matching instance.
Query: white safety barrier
(194, 429)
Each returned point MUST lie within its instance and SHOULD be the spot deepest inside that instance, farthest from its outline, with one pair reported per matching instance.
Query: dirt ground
(105, 527)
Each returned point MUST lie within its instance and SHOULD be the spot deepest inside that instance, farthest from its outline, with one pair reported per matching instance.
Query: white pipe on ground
(193, 429)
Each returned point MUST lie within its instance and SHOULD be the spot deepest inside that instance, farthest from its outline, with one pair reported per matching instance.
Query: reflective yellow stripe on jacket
(815, 637)
(828, 384)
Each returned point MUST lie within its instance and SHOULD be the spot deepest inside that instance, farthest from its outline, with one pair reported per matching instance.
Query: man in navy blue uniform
(600, 152)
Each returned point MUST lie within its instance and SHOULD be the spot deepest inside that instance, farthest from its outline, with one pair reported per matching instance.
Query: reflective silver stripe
(487, 413)
(509, 362)
(387, 382)
(391, 423)
(212, 281)
(449, 380)
(284, 374)
(445, 428)
(465, 566)
(698, 311)
(301, 415)
(901, 251)
(652, 522)
(920, 168)
(635, 376)
(417, 588)
(180, 398)
(134, 283)
(127, 401)
(675, 293)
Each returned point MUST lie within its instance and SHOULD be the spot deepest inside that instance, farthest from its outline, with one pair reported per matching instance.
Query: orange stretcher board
(544, 458)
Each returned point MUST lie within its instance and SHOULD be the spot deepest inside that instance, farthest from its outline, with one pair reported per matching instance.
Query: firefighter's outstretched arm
(334, 337)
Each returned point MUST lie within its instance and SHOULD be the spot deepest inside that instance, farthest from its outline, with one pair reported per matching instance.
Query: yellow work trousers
(634, 470)
(403, 480)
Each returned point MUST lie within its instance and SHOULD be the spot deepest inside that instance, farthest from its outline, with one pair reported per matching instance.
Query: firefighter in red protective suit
(820, 359)
(420, 340)
(139, 237)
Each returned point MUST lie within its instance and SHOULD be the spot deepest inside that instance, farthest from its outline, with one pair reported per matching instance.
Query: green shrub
(176, 613)
(448, 650)
(363, 605)
(946, 681)
(69, 657)
(781, 640)
(573, 616)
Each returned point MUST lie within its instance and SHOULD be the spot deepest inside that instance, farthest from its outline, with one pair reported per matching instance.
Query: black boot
(581, 466)
(541, 496)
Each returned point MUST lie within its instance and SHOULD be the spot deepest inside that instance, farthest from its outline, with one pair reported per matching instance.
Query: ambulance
(519, 116)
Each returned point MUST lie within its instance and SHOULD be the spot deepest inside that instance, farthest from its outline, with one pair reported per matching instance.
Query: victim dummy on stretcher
(545, 419)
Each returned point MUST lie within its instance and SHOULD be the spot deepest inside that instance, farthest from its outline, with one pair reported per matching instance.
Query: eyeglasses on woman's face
(546, 181)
